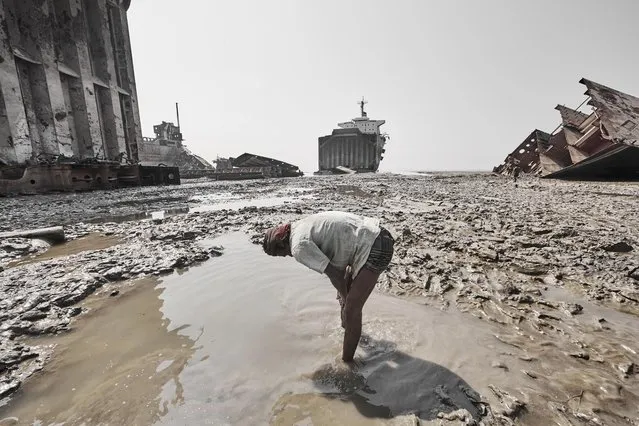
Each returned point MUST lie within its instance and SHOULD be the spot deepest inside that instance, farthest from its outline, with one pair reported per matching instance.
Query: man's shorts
(381, 252)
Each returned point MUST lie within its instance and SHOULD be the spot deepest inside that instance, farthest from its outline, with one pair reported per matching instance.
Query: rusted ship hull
(602, 145)
(75, 177)
(619, 162)
(351, 149)
(357, 146)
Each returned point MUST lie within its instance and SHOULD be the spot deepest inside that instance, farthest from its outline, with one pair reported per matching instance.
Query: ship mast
(361, 105)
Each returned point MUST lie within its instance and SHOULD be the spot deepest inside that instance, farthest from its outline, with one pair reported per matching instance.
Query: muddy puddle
(87, 243)
(209, 203)
(249, 339)
(236, 204)
(140, 215)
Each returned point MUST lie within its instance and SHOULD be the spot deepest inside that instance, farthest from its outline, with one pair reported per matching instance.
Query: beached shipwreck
(69, 111)
(357, 146)
(246, 166)
(602, 145)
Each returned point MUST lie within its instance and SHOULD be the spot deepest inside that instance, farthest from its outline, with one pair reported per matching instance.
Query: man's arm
(310, 255)
(357, 296)
(337, 279)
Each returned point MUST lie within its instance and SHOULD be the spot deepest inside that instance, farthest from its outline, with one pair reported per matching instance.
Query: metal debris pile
(601, 145)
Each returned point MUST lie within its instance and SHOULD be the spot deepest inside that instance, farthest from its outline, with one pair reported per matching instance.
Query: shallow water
(236, 204)
(249, 339)
(208, 203)
(79, 245)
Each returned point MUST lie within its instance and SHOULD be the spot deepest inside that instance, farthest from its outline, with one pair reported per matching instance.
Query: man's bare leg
(361, 288)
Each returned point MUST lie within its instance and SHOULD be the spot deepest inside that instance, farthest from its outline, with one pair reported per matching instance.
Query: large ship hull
(356, 147)
(351, 149)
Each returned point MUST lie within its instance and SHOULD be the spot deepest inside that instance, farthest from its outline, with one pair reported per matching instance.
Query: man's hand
(348, 277)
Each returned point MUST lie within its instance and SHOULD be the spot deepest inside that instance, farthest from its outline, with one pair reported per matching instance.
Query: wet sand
(526, 295)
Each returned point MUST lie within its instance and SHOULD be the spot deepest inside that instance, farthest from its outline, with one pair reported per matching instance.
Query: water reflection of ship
(356, 147)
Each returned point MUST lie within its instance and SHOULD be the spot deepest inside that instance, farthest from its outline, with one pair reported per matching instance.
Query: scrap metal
(601, 145)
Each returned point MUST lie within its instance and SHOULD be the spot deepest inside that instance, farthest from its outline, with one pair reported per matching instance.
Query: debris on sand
(548, 289)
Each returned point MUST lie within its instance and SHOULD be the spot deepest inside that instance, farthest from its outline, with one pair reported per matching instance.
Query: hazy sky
(459, 83)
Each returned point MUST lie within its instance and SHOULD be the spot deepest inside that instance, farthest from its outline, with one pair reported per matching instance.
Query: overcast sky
(459, 83)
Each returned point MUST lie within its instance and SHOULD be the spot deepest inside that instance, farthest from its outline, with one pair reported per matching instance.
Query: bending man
(351, 250)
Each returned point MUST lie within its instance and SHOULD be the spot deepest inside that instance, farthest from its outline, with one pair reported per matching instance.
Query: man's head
(276, 241)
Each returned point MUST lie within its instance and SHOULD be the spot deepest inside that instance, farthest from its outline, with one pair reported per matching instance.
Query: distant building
(357, 145)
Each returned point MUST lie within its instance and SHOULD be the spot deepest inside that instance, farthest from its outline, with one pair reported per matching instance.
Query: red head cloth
(275, 235)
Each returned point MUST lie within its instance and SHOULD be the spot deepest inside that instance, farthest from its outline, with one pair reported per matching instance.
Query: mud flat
(520, 305)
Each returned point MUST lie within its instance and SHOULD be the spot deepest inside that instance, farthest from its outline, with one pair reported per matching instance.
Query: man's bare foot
(353, 364)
